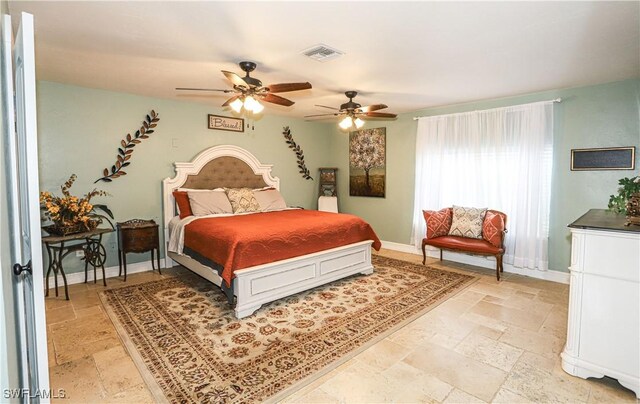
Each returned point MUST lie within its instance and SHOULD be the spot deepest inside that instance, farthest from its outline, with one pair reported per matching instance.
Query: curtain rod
(556, 100)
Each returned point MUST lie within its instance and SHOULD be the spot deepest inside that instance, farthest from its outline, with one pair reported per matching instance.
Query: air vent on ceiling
(322, 53)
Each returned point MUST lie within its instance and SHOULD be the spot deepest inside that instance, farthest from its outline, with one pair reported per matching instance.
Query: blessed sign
(226, 123)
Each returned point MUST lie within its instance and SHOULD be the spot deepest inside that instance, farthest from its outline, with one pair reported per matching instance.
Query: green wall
(595, 116)
(80, 130)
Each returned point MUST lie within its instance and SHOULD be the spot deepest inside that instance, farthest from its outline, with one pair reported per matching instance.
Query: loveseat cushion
(464, 244)
(493, 227)
(467, 222)
(438, 223)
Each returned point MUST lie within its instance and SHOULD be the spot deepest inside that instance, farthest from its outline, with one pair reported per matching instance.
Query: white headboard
(189, 173)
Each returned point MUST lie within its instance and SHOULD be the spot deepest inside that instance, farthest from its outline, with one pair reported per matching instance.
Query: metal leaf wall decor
(125, 151)
(299, 153)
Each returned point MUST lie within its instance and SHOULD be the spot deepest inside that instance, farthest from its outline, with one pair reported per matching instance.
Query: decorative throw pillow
(269, 199)
(467, 222)
(438, 223)
(209, 202)
(492, 228)
(182, 200)
(242, 200)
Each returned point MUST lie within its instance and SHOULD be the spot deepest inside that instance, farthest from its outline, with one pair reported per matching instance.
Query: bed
(244, 275)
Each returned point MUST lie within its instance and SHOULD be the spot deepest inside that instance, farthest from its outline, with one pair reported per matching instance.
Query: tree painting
(367, 162)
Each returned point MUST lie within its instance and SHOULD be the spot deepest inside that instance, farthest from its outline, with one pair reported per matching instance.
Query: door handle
(17, 268)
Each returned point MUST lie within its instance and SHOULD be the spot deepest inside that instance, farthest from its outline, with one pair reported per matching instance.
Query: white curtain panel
(499, 159)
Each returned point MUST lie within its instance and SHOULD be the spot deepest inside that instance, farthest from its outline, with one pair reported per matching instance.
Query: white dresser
(603, 335)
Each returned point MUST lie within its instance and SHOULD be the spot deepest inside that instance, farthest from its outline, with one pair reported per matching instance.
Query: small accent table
(137, 235)
(94, 254)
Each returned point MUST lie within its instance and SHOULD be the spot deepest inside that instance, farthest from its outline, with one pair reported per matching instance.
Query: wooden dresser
(603, 335)
(137, 236)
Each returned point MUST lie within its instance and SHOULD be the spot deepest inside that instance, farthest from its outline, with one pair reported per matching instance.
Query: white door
(21, 165)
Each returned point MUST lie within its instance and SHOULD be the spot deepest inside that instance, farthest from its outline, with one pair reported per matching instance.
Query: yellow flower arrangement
(69, 210)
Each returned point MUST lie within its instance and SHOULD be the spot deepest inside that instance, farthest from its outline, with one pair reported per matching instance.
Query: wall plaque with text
(226, 123)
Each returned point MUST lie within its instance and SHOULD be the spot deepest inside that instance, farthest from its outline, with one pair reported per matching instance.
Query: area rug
(190, 347)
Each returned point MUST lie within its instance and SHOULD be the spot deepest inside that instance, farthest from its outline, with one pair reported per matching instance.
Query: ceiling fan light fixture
(257, 107)
(236, 105)
(249, 102)
(359, 123)
(346, 123)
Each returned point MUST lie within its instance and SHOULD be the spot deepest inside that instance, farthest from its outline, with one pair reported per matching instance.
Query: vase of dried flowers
(71, 214)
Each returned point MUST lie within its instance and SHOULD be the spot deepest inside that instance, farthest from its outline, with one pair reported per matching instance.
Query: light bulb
(249, 103)
(346, 122)
(257, 107)
(236, 105)
(359, 123)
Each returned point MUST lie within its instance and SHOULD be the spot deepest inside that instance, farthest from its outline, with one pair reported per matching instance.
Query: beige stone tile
(539, 361)
(412, 335)
(491, 289)
(458, 397)
(53, 302)
(60, 314)
(495, 324)
(488, 332)
(85, 299)
(361, 383)
(82, 337)
(442, 324)
(543, 344)
(508, 397)
(522, 318)
(117, 371)
(314, 396)
(556, 323)
(80, 381)
(431, 386)
(445, 341)
(541, 386)
(138, 394)
(383, 354)
(91, 311)
(467, 374)
(489, 351)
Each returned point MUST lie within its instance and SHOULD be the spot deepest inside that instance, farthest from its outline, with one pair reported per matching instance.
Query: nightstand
(137, 236)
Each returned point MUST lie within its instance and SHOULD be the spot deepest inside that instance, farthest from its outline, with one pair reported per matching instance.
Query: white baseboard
(110, 272)
(480, 261)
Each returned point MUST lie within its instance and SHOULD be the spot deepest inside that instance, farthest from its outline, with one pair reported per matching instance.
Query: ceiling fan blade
(324, 106)
(285, 87)
(276, 99)
(318, 115)
(202, 89)
(235, 79)
(230, 100)
(372, 108)
(380, 115)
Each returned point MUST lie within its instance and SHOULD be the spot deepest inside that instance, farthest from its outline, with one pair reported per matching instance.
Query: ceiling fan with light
(250, 91)
(354, 113)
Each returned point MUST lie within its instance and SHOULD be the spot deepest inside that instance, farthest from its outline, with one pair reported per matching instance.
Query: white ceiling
(408, 55)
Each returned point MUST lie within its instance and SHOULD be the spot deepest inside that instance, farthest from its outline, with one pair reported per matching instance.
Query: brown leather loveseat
(491, 242)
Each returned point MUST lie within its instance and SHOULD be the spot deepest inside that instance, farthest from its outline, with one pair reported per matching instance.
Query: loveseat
(468, 230)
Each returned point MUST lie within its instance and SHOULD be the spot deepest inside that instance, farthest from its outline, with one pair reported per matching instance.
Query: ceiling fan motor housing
(350, 106)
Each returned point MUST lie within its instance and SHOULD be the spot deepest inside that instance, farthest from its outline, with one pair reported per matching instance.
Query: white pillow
(208, 202)
(269, 199)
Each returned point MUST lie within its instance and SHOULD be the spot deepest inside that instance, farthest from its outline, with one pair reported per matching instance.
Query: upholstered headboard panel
(223, 172)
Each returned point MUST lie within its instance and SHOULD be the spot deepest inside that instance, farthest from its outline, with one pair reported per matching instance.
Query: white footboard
(265, 283)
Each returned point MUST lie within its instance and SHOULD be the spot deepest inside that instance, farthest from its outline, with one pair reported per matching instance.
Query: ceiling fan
(354, 113)
(250, 90)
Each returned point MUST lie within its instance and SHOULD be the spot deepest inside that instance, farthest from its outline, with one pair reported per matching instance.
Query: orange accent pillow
(438, 223)
(492, 228)
(182, 200)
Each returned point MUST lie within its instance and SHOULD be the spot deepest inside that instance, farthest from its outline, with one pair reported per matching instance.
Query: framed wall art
(606, 158)
(368, 162)
(220, 122)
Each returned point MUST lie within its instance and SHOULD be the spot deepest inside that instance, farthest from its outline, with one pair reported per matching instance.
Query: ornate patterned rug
(190, 348)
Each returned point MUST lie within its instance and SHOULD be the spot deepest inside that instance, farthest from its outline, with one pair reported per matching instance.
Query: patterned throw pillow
(492, 228)
(467, 222)
(242, 200)
(438, 223)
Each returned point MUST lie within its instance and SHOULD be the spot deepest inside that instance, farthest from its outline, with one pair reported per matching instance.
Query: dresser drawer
(139, 239)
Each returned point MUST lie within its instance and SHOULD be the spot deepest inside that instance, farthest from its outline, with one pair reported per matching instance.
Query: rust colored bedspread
(244, 241)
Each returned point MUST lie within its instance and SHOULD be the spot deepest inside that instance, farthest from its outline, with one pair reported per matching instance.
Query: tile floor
(494, 342)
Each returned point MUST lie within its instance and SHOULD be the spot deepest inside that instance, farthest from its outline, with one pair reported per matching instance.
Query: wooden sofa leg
(441, 254)
(498, 266)
(424, 252)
